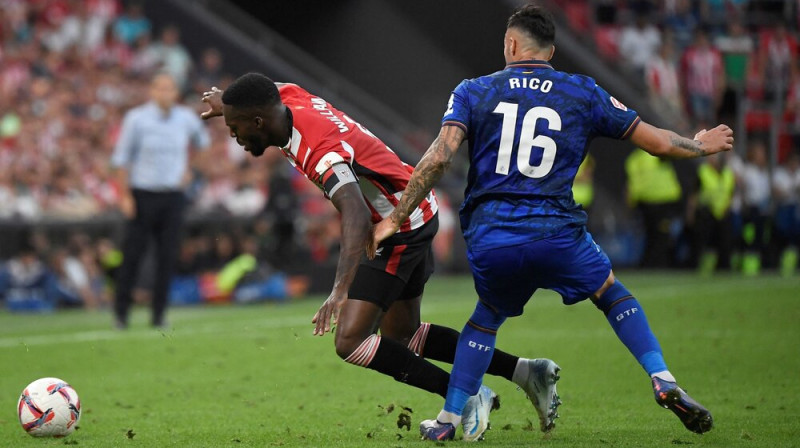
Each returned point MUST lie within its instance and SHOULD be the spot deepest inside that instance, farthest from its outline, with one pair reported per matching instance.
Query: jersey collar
(533, 63)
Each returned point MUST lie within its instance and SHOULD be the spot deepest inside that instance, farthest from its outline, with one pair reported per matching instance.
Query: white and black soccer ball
(49, 407)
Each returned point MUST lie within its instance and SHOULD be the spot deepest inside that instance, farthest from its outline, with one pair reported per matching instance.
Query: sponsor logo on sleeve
(449, 105)
(618, 104)
(327, 161)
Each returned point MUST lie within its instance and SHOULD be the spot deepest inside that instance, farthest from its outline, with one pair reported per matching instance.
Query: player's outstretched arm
(355, 232)
(214, 100)
(669, 145)
(428, 171)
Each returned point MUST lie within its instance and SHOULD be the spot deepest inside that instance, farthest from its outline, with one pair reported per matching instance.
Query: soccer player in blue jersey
(528, 128)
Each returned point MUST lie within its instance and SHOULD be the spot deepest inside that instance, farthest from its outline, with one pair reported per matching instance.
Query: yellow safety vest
(583, 190)
(716, 189)
(650, 179)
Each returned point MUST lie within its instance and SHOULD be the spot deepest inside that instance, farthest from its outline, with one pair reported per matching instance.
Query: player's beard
(256, 151)
(255, 147)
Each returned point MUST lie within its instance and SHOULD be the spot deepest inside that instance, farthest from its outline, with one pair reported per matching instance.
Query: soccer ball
(49, 407)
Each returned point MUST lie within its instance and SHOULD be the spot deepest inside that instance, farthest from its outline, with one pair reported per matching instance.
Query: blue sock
(628, 320)
(473, 355)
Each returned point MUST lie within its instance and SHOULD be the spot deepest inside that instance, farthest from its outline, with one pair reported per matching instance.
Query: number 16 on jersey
(527, 140)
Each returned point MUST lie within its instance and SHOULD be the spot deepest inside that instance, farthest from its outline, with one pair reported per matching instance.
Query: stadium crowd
(701, 62)
(70, 69)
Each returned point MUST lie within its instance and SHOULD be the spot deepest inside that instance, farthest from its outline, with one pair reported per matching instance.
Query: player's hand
(214, 100)
(329, 309)
(380, 232)
(716, 140)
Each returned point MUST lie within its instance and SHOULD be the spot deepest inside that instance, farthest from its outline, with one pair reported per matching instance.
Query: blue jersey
(528, 128)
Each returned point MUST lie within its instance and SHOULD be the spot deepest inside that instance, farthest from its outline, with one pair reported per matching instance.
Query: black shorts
(400, 269)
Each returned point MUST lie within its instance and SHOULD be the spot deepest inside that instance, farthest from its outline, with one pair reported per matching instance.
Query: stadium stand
(69, 70)
(744, 72)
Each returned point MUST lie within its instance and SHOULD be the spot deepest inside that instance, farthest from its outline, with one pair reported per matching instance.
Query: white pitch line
(188, 330)
(184, 329)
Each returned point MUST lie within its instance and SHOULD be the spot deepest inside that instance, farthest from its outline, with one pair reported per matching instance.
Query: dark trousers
(709, 231)
(755, 217)
(659, 243)
(159, 216)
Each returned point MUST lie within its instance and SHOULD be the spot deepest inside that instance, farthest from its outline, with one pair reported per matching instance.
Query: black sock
(440, 345)
(396, 360)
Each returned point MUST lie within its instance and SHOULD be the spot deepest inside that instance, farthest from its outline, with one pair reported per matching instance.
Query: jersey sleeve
(336, 176)
(611, 118)
(329, 164)
(323, 157)
(458, 108)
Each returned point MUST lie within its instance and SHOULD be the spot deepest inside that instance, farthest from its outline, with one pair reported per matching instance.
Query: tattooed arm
(428, 171)
(669, 145)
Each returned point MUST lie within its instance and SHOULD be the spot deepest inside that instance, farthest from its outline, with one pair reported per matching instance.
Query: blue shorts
(570, 263)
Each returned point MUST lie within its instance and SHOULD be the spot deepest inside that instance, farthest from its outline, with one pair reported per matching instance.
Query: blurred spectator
(108, 259)
(792, 107)
(7, 197)
(736, 48)
(716, 13)
(786, 188)
(709, 214)
(754, 177)
(778, 50)
(653, 188)
(682, 21)
(248, 198)
(112, 52)
(80, 28)
(219, 185)
(209, 71)
(661, 78)
(703, 79)
(256, 280)
(173, 57)
(638, 43)
(146, 58)
(26, 282)
(132, 24)
(72, 285)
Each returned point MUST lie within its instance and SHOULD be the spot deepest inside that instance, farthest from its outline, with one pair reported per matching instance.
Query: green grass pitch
(255, 376)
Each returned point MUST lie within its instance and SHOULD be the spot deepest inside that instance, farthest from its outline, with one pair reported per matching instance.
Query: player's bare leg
(357, 343)
(358, 320)
(402, 320)
(627, 318)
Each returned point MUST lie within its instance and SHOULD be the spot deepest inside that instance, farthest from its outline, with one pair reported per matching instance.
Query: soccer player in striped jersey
(364, 180)
(528, 128)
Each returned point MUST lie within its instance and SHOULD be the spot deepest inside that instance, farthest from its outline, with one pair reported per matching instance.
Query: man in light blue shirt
(152, 166)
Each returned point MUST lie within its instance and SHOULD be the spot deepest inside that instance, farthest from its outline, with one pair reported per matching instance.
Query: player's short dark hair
(251, 90)
(536, 22)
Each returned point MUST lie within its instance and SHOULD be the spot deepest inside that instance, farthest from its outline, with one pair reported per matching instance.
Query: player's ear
(512, 46)
(552, 52)
(258, 121)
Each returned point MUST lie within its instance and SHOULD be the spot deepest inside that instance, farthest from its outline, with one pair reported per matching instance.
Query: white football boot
(475, 416)
(541, 390)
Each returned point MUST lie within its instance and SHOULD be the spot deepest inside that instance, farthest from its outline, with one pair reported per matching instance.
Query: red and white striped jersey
(323, 136)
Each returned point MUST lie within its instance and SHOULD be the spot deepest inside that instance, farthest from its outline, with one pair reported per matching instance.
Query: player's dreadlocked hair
(536, 22)
(251, 90)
